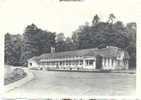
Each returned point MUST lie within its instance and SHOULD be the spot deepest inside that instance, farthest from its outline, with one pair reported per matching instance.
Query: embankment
(29, 77)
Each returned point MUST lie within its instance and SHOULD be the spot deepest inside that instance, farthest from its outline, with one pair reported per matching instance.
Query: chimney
(52, 50)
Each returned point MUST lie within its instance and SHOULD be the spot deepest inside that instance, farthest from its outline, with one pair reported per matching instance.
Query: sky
(61, 17)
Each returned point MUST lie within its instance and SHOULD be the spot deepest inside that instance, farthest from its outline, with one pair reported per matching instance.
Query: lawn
(13, 74)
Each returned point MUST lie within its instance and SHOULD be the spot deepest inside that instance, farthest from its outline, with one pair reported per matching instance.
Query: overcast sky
(56, 16)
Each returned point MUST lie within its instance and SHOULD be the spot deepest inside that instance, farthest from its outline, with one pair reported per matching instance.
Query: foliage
(95, 20)
(12, 49)
(35, 41)
(13, 76)
(108, 33)
(63, 43)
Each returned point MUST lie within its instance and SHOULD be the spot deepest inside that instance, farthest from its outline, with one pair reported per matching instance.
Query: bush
(16, 75)
(18, 71)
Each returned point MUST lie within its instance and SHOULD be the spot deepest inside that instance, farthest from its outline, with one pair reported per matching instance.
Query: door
(98, 62)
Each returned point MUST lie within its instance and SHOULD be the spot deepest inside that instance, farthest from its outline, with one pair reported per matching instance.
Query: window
(112, 61)
(30, 64)
(118, 62)
(66, 62)
(125, 61)
(87, 63)
(60, 63)
(91, 62)
(104, 61)
(108, 60)
(69, 63)
(81, 62)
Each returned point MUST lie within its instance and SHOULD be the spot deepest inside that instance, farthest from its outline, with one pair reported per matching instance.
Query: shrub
(18, 71)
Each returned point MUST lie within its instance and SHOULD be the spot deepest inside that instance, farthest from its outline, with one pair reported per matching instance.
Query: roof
(104, 52)
(35, 58)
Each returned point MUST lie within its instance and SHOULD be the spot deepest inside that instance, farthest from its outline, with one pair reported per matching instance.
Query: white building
(109, 58)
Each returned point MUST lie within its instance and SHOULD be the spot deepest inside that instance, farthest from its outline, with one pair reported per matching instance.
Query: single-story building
(109, 58)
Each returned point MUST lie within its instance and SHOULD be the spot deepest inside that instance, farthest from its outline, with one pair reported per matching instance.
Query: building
(109, 58)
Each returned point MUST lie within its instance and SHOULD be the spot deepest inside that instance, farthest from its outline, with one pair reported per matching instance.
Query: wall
(34, 64)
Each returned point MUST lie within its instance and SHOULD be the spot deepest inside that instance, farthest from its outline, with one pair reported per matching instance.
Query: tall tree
(95, 20)
(111, 18)
(12, 49)
(60, 42)
(75, 40)
(36, 42)
(30, 43)
(69, 45)
(46, 41)
(60, 37)
(131, 48)
(8, 48)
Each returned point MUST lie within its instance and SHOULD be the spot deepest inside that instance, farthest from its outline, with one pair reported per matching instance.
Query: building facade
(109, 58)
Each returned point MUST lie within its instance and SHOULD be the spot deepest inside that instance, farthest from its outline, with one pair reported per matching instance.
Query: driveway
(50, 83)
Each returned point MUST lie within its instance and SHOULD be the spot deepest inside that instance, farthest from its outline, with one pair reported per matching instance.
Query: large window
(125, 61)
(30, 64)
(81, 62)
(91, 62)
(118, 62)
(112, 61)
(69, 62)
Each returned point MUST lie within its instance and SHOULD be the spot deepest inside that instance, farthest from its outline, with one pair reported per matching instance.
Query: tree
(30, 43)
(8, 49)
(84, 36)
(75, 40)
(95, 20)
(36, 42)
(60, 37)
(46, 41)
(69, 45)
(60, 42)
(111, 18)
(131, 48)
(102, 34)
(12, 49)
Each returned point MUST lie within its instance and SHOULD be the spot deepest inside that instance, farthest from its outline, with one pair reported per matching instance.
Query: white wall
(34, 64)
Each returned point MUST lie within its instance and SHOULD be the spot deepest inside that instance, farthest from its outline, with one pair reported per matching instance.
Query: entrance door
(98, 62)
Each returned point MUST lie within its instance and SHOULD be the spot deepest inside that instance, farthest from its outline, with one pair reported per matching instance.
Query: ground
(50, 83)
(13, 74)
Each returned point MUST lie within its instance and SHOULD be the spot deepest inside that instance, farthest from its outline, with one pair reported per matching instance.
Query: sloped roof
(82, 52)
(104, 52)
(35, 58)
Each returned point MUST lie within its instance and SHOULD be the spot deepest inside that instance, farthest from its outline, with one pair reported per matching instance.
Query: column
(84, 63)
(113, 65)
(94, 64)
(103, 63)
(127, 64)
(110, 63)
(62, 64)
(107, 63)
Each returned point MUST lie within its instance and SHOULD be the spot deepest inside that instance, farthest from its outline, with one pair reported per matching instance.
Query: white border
(138, 79)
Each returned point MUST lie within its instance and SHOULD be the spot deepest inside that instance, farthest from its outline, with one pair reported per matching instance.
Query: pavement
(50, 84)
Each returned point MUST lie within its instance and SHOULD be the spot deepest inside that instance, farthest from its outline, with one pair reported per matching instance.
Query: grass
(14, 76)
